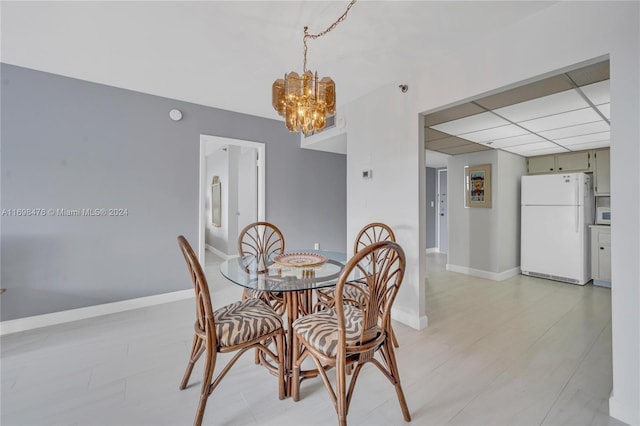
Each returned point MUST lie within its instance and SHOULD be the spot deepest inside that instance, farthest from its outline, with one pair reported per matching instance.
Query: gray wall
(432, 181)
(71, 144)
(486, 239)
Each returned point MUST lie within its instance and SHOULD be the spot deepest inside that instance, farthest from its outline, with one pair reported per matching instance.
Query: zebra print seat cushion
(244, 321)
(321, 329)
(350, 292)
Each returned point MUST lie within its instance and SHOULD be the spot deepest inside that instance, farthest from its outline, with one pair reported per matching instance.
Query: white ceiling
(226, 54)
(572, 120)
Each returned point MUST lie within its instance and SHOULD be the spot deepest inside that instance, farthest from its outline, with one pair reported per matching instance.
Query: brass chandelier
(304, 100)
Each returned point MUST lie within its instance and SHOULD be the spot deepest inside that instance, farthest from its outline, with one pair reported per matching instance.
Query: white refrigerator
(556, 211)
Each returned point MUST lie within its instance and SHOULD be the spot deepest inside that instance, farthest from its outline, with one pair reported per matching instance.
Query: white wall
(247, 188)
(485, 241)
(385, 134)
(381, 139)
(510, 168)
(217, 236)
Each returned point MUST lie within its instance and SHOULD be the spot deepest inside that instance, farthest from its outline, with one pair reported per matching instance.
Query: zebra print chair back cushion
(363, 312)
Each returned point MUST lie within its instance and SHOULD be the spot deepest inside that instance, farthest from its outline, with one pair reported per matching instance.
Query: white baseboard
(408, 319)
(625, 413)
(433, 250)
(37, 321)
(219, 253)
(495, 276)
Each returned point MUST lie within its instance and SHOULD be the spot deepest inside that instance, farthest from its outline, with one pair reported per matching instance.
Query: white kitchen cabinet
(601, 255)
(541, 164)
(602, 172)
(579, 161)
(573, 162)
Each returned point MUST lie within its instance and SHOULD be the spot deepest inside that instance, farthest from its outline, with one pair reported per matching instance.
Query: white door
(442, 212)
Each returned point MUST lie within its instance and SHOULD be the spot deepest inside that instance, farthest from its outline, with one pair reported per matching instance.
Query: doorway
(442, 213)
(243, 188)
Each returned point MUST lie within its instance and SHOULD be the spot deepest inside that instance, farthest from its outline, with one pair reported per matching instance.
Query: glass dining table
(295, 285)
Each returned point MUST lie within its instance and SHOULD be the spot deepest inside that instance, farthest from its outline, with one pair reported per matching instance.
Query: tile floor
(523, 351)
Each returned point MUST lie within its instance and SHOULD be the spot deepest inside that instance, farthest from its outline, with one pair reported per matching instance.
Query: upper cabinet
(602, 180)
(574, 162)
(589, 161)
(579, 161)
(542, 164)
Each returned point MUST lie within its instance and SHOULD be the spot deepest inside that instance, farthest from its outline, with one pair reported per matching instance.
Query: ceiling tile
(543, 151)
(432, 134)
(590, 73)
(578, 130)
(605, 109)
(465, 149)
(536, 148)
(593, 137)
(450, 141)
(598, 93)
(589, 145)
(568, 100)
(470, 124)
(452, 113)
(494, 133)
(516, 140)
(556, 121)
(527, 92)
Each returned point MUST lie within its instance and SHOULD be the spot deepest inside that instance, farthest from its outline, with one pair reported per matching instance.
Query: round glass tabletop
(278, 278)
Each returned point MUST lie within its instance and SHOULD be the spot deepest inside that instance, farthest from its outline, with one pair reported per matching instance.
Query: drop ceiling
(564, 113)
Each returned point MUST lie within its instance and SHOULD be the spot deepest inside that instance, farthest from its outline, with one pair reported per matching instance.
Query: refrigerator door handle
(576, 185)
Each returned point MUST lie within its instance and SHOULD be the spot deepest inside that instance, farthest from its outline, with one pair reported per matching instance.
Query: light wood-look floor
(523, 351)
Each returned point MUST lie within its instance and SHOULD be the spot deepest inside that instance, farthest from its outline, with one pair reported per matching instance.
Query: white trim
(625, 413)
(495, 276)
(204, 140)
(29, 323)
(409, 319)
(219, 253)
(432, 250)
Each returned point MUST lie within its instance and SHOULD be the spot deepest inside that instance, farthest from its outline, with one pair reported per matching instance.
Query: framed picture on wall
(216, 201)
(478, 186)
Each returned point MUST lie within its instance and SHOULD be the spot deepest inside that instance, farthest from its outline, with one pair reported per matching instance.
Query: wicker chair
(237, 327)
(259, 242)
(368, 235)
(354, 330)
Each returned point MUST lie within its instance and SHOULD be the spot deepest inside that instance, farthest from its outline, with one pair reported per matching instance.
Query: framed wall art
(478, 186)
(216, 202)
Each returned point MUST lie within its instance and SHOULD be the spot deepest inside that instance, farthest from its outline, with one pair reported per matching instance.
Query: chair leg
(280, 348)
(196, 350)
(393, 367)
(395, 339)
(209, 366)
(294, 386)
(341, 392)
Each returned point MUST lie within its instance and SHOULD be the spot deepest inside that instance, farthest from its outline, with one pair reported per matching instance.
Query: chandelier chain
(320, 34)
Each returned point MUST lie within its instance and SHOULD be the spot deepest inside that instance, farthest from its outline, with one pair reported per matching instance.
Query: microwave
(603, 215)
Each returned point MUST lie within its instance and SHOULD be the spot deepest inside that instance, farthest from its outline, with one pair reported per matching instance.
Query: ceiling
(563, 113)
(226, 54)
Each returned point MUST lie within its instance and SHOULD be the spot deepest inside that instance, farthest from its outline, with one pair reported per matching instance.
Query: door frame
(204, 185)
(439, 200)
